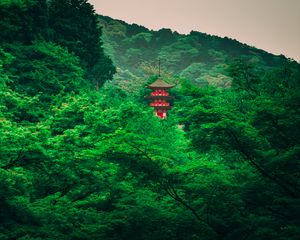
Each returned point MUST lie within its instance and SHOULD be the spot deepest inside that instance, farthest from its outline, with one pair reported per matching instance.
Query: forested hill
(197, 56)
(82, 157)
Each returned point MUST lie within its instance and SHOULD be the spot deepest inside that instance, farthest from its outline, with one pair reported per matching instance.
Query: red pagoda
(160, 98)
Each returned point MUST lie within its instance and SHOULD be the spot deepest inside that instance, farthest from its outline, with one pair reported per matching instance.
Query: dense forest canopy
(83, 157)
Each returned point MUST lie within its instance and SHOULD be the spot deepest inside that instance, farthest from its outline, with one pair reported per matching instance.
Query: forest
(83, 156)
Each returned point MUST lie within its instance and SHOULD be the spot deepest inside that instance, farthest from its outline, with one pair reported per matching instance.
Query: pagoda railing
(160, 93)
(155, 104)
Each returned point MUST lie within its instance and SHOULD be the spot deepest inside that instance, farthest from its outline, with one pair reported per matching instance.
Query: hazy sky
(272, 25)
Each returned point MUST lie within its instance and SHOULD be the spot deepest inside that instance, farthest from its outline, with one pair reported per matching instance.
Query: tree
(247, 128)
(23, 21)
(74, 25)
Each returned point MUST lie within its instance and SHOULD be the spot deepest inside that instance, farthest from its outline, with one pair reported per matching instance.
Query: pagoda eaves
(160, 84)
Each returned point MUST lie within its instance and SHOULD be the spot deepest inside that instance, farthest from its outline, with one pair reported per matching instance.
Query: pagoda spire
(159, 67)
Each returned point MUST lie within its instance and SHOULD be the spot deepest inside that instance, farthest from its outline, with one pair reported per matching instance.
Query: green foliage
(201, 58)
(253, 126)
(83, 164)
(23, 20)
(71, 24)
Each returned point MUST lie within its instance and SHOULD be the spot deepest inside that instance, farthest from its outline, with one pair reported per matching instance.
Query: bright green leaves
(247, 138)
(14, 142)
(47, 180)
(83, 164)
(33, 86)
(51, 70)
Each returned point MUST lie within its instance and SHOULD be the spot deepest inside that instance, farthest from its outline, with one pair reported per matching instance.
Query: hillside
(201, 58)
(82, 156)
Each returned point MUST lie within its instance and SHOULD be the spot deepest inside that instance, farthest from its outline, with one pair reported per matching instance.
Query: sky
(272, 25)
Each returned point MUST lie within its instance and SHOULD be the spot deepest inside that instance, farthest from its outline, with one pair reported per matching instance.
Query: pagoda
(160, 98)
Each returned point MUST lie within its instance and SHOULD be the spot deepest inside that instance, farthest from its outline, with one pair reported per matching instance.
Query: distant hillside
(200, 57)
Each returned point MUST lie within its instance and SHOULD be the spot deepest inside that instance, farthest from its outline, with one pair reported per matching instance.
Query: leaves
(83, 164)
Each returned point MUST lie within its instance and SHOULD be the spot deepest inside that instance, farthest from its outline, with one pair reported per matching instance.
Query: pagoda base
(161, 113)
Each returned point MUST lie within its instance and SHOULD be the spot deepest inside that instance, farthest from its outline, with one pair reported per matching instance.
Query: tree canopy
(83, 163)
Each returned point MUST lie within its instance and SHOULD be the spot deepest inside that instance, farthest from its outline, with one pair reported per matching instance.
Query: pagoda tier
(160, 97)
(159, 92)
(159, 104)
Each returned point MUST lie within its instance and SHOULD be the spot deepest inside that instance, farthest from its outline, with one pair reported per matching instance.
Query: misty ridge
(202, 58)
(270, 25)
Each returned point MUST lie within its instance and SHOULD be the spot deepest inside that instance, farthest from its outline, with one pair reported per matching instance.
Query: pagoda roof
(162, 107)
(160, 97)
(160, 84)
